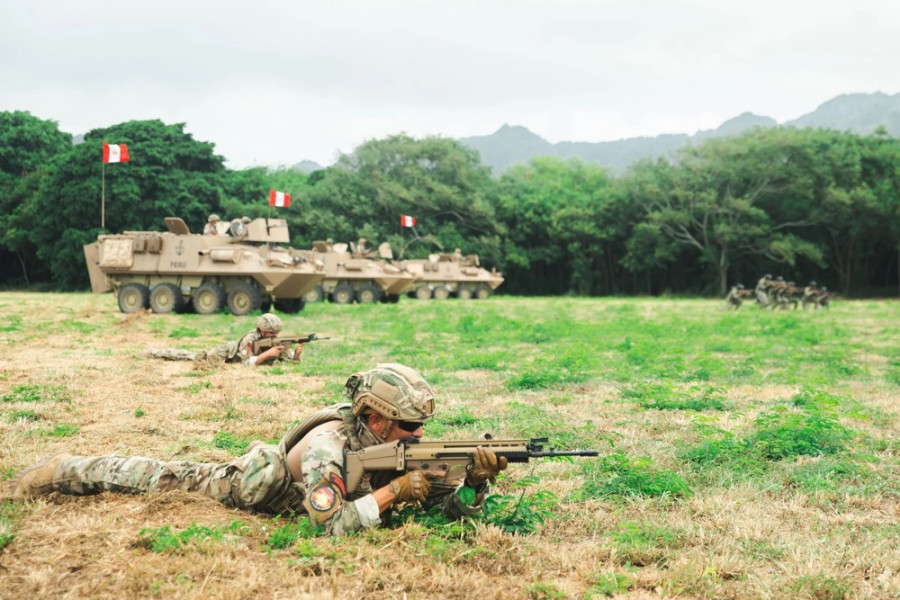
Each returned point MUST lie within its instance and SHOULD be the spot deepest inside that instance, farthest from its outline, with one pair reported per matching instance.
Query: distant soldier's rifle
(263, 344)
(445, 459)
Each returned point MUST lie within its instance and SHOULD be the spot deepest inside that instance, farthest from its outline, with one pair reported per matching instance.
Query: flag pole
(103, 197)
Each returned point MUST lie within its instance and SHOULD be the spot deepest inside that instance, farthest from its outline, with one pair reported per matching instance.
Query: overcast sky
(275, 82)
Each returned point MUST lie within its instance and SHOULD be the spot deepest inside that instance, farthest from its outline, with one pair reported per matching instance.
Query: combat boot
(37, 480)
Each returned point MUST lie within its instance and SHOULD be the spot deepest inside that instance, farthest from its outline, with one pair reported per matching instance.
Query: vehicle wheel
(208, 298)
(317, 294)
(393, 298)
(244, 298)
(265, 304)
(133, 297)
(368, 294)
(441, 292)
(483, 292)
(465, 293)
(423, 293)
(165, 298)
(290, 306)
(342, 294)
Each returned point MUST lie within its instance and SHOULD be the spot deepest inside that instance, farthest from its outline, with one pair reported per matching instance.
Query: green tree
(27, 144)
(170, 174)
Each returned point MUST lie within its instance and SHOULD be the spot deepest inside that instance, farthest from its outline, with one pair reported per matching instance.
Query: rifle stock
(446, 460)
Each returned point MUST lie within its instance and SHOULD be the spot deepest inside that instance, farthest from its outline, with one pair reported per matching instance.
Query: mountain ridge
(510, 145)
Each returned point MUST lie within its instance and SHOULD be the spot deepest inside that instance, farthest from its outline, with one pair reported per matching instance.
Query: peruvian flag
(113, 153)
(279, 198)
(406, 221)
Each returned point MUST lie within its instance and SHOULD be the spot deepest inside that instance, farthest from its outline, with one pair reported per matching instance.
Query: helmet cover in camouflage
(269, 323)
(213, 218)
(394, 391)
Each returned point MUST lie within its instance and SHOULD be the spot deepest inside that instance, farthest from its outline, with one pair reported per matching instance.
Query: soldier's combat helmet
(269, 323)
(213, 218)
(813, 282)
(394, 391)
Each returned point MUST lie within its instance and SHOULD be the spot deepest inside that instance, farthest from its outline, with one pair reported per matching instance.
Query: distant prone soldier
(244, 350)
(734, 300)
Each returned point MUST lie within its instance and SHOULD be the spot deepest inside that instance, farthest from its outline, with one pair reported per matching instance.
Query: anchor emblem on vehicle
(180, 249)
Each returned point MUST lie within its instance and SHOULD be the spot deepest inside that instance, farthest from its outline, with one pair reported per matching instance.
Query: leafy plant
(642, 544)
(617, 475)
(289, 533)
(233, 444)
(610, 584)
(165, 539)
(36, 393)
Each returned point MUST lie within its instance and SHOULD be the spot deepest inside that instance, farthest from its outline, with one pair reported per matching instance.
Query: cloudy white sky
(273, 82)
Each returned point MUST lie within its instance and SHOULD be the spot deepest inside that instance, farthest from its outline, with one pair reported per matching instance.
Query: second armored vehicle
(356, 274)
(175, 269)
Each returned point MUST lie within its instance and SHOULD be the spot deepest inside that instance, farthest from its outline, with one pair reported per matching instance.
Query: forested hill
(511, 145)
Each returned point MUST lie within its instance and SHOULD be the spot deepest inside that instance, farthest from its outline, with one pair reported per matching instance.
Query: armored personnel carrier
(443, 275)
(173, 270)
(356, 274)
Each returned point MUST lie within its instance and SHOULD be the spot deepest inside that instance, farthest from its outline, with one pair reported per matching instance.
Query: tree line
(806, 203)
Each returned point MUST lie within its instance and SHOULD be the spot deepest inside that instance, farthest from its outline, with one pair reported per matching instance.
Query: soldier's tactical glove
(484, 467)
(409, 487)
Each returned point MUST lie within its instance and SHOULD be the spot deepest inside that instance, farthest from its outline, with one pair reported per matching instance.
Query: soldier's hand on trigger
(485, 467)
(413, 486)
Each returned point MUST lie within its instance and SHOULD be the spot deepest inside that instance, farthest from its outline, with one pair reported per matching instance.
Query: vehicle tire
(342, 294)
(244, 298)
(317, 294)
(208, 298)
(465, 293)
(483, 292)
(393, 298)
(290, 306)
(423, 293)
(133, 297)
(441, 292)
(166, 298)
(368, 294)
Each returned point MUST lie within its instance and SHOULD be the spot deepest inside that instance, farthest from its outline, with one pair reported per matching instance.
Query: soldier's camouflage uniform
(230, 352)
(733, 299)
(260, 480)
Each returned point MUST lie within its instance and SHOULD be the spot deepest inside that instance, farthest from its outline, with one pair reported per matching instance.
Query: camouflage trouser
(226, 352)
(257, 480)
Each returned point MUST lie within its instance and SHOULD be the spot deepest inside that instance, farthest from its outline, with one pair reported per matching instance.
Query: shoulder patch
(322, 497)
(335, 479)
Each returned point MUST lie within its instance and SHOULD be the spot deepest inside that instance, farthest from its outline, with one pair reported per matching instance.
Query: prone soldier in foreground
(256, 348)
(343, 466)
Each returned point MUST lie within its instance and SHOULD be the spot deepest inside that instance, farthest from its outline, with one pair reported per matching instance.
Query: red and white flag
(113, 153)
(407, 221)
(279, 198)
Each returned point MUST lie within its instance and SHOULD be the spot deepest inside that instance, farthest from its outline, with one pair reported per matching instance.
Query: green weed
(183, 331)
(62, 430)
(14, 324)
(544, 591)
(609, 585)
(643, 544)
(197, 387)
(24, 415)
(819, 587)
(234, 445)
(36, 393)
(289, 533)
(619, 476)
(165, 539)
(139, 412)
(81, 326)
(665, 396)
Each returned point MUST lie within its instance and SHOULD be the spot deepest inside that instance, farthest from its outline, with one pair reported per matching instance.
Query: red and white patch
(335, 479)
(322, 497)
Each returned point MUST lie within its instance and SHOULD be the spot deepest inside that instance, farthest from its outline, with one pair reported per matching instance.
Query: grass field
(748, 454)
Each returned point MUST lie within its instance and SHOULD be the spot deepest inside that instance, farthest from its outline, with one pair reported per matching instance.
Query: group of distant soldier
(776, 293)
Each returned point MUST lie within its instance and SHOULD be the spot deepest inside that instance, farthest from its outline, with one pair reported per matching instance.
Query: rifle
(264, 344)
(448, 459)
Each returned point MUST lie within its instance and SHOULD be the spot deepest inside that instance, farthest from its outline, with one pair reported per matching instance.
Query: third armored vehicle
(358, 274)
(171, 270)
(442, 275)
